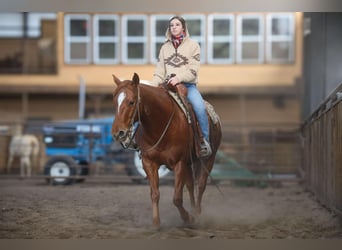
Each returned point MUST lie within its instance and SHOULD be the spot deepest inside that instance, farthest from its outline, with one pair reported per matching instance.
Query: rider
(180, 55)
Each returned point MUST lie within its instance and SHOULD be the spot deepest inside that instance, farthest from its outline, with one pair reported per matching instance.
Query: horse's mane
(145, 82)
(155, 89)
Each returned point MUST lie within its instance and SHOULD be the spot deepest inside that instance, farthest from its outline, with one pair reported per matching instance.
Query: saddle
(179, 94)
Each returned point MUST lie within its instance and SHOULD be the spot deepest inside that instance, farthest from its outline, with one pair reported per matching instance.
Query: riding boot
(205, 150)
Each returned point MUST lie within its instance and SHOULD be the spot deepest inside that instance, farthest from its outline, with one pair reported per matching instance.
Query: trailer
(73, 146)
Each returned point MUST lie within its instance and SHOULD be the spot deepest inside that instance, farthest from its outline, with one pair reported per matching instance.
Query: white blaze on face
(121, 97)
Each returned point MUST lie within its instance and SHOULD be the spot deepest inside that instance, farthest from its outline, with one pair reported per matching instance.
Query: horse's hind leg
(202, 182)
(25, 164)
(22, 168)
(9, 163)
(182, 175)
(190, 186)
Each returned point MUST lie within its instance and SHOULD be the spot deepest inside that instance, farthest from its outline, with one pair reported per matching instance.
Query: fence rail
(264, 148)
(257, 150)
(322, 133)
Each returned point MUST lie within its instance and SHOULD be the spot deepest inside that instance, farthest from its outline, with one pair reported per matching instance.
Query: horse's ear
(116, 80)
(135, 79)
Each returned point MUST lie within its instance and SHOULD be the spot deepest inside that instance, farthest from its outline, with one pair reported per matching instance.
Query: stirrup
(205, 149)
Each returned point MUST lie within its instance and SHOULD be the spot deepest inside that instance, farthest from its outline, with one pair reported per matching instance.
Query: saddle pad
(213, 115)
(180, 104)
(210, 109)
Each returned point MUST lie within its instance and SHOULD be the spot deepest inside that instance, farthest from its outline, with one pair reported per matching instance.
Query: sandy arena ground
(106, 209)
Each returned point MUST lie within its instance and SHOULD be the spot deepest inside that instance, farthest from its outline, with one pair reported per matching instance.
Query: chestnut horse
(164, 137)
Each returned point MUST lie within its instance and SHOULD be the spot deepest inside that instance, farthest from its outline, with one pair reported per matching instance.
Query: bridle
(131, 135)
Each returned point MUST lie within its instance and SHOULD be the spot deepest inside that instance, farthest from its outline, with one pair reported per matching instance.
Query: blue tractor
(72, 146)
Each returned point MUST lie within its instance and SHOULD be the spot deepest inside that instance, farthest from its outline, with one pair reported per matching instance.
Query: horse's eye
(131, 103)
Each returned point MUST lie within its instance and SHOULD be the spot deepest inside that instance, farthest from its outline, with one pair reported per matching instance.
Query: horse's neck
(156, 107)
(152, 95)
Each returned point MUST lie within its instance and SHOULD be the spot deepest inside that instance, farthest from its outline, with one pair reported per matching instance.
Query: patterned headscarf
(177, 40)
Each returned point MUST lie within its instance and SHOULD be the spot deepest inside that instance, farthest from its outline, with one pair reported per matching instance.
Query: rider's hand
(173, 81)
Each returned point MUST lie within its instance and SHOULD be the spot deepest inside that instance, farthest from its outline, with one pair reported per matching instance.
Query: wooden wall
(323, 152)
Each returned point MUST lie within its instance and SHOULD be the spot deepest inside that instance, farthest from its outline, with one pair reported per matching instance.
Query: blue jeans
(197, 102)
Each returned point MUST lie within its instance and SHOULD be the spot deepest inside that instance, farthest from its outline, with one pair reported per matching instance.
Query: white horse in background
(26, 147)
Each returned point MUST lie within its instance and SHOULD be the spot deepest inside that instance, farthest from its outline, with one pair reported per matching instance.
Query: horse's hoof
(193, 224)
(156, 228)
(192, 219)
(156, 225)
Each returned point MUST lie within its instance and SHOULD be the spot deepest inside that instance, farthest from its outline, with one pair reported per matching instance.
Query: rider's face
(176, 27)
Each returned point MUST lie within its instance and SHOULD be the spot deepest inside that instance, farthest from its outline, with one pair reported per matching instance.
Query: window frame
(35, 21)
(264, 39)
(12, 24)
(69, 39)
(130, 39)
(202, 38)
(154, 39)
(97, 39)
(240, 39)
(280, 38)
(224, 39)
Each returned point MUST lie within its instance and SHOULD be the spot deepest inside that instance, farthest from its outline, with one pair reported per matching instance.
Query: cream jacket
(183, 61)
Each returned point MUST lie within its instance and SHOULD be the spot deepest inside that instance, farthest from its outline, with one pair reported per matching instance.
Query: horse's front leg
(151, 170)
(28, 168)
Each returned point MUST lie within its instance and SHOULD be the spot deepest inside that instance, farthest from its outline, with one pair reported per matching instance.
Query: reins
(139, 119)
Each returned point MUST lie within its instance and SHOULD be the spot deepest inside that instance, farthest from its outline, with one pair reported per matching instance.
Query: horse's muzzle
(121, 135)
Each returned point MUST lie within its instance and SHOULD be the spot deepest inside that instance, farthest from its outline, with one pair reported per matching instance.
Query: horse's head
(126, 105)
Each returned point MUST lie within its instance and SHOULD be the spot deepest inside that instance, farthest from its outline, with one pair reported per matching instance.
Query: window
(13, 24)
(225, 38)
(220, 39)
(280, 38)
(134, 39)
(106, 39)
(197, 29)
(77, 39)
(159, 24)
(250, 38)
(34, 22)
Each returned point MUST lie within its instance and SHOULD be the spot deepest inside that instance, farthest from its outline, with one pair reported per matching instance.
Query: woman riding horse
(180, 56)
(164, 137)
